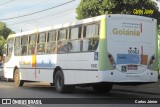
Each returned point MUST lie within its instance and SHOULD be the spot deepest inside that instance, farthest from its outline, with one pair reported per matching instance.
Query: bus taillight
(151, 61)
(112, 61)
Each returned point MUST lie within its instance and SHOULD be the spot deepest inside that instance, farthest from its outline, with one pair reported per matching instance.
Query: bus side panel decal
(155, 65)
(132, 59)
(34, 61)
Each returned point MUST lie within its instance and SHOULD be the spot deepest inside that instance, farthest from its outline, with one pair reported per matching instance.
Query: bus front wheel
(59, 83)
(102, 87)
(17, 80)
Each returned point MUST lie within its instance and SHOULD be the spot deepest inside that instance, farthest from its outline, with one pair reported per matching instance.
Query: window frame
(47, 39)
(84, 37)
(10, 46)
(54, 41)
(62, 41)
(79, 38)
(84, 31)
(16, 46)
(31, 44)
(24, 44)
(41, 42)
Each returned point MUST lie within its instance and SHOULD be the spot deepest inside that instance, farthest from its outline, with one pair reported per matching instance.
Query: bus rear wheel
(17, 81)
(102, 87)
(52, 84)
(59, 84)
(8, 80)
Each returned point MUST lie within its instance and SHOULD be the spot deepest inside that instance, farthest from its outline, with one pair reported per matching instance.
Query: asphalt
(152, 88)
(2, 78)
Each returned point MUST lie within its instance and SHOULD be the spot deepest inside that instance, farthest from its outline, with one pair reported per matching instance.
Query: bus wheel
(52, 84)
(17, 80)
(102, 88)
(59, 84)
(8, 79)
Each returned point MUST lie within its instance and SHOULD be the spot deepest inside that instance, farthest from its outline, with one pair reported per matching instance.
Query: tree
(91, 8)
(4, 30)
(2, 42)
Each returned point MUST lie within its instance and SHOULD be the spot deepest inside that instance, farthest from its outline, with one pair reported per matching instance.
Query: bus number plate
(132, 67)
(129, 67)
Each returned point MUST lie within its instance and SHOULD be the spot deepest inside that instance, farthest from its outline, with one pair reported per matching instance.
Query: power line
(26, 7)
(33, 26)
(41, 18)
(44, 20)
(7, 2)
(38, 11)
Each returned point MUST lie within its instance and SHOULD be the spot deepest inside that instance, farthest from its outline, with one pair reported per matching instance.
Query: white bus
(98, 52)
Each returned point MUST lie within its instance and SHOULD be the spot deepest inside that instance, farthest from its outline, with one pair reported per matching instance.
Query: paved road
(44, 90)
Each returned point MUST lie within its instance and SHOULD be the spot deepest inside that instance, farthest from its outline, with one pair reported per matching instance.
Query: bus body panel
(130, 40)
(118, 77)
(79, 68)
(10, 65)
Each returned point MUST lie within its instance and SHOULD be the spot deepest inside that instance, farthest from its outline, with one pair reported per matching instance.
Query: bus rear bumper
(116, 76)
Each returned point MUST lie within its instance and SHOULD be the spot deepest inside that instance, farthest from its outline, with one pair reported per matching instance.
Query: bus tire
(102, 88)
(17, 81)
(59, 83)
(52, 84)
(8, 79)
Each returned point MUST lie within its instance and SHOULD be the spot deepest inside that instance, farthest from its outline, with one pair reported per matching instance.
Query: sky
(54, 16)
(58, 15)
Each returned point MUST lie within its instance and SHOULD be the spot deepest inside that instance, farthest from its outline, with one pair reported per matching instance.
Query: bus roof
(59, 26)
(78, 22)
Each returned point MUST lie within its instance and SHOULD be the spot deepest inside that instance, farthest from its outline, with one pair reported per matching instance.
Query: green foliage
(4, 30)
(2, 42)
(91, 8)
(158, 29)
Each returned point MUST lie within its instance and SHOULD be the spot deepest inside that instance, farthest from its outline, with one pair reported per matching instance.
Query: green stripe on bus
(156, 65)
(104, 63)
(10, 36)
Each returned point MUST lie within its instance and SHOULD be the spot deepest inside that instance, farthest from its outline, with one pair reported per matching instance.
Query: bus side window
(32, 44)
(41, 43)
(24, 43)
(62, 41)
(74, 42)
(10, 46)
(51, 42)
(90, 37)
(17, 46)
(6, 49)
(5, 52)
